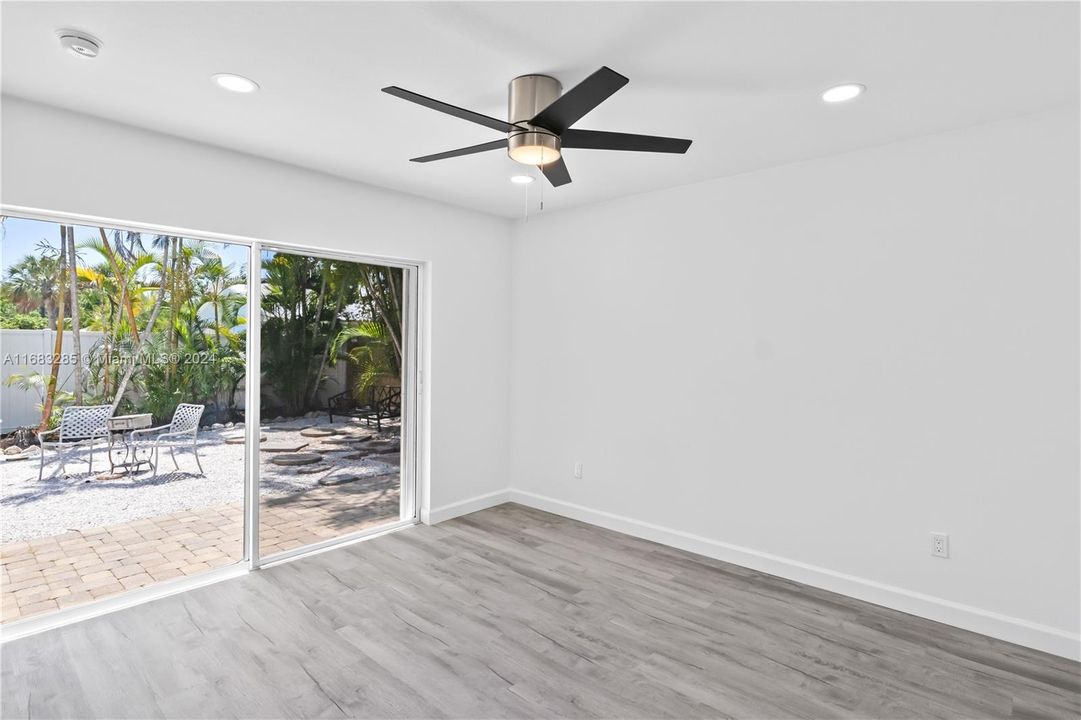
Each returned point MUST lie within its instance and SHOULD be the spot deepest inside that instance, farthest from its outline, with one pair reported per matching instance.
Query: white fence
(29, 351)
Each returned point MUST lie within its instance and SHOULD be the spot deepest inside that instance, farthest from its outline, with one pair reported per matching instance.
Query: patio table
(122, 453)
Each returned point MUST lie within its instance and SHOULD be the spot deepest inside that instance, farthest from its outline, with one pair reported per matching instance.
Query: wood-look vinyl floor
(512, 612)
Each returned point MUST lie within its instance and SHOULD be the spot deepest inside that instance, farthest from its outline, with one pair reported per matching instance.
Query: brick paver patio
(60, 571)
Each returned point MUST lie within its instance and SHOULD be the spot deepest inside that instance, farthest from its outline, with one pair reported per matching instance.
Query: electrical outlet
(578, 470)
(940, 545)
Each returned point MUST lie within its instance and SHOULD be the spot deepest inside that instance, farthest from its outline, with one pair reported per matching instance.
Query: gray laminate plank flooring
(512, 612)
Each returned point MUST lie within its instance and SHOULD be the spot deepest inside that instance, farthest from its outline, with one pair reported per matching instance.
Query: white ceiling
(741, 79)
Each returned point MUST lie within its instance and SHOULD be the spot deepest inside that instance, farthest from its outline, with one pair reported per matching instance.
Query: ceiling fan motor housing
(526, 97)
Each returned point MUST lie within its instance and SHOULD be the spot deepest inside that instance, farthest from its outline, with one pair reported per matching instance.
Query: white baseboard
(1015, 630)
(463, 507)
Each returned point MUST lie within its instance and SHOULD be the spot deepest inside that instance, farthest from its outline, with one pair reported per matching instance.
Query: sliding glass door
(177, 408)
(335, 351)
(124, 365)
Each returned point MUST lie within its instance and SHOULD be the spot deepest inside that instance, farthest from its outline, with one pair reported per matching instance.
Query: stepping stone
(339, 479)
(311, 469)
(240, 439)
(348, 439)
(364, 452)
(292, 459)
(285, 447)
(318, 432)
(332, 449)
(237, 437)
(394, 459)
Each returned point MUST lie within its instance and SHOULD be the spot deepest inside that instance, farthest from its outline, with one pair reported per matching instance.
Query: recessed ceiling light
(521, 179)
(79, 43)
(841, 93)
(235, 83)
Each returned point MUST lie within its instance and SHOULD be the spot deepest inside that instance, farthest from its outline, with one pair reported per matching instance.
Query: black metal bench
(380, 403)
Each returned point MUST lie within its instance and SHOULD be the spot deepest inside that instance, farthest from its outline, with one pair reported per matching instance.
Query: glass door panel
(127, 351)
(334, 342)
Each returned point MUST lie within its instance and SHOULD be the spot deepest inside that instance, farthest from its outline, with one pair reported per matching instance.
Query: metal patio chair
(80, 426)
(182, 432)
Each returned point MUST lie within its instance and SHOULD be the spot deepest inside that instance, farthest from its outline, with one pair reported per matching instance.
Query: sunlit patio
(71, 539)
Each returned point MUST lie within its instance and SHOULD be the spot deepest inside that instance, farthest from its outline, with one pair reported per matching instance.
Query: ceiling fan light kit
(539, 119)
(527, 95)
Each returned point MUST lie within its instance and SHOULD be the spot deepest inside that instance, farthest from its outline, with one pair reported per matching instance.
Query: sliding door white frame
(252, 406)
(413, 443)
(409, 501)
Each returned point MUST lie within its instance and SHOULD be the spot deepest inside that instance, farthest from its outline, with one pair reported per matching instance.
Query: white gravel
(57, 504)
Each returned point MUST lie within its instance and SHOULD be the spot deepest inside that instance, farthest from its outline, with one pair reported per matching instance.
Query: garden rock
(386, 446)
(318, 432)
(283, 447)
(363, 452)
(291, 459)
(346, 440)
(338, 478)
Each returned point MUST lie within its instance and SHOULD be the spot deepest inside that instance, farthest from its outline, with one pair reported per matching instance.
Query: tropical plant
(32, 284)
(293, 335)
(172, 314)
(370, 347)
(12, 318)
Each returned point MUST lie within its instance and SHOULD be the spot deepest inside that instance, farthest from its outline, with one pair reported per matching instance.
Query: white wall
(58, 160)
(844, 355)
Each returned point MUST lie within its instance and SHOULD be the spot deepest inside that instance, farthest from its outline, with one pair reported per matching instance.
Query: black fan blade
(493, 123)
(580, 99)
(556, 172)
(599, 140)
(483, 147)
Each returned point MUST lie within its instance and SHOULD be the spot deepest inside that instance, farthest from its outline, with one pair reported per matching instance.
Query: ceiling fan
(539, 123)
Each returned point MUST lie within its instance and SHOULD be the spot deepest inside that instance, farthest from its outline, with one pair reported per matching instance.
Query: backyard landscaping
(136, 330)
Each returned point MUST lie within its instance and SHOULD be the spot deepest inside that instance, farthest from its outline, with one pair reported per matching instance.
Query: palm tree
(381, 292)
(33, 284)
(220, 284)
(58, 345)
(122, 275)
(117, 294)
(368, 344)
(76, 341)
(343, 277)
(293, 341)
(122, 385)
